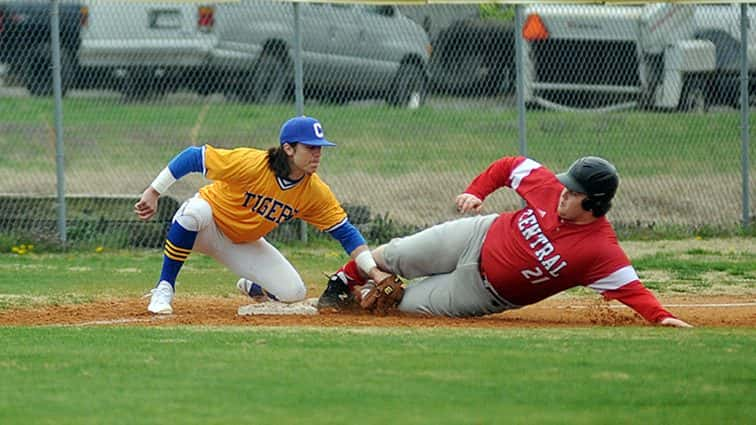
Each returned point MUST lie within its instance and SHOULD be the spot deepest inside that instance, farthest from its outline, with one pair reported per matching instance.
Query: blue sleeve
(188, 161)
(348, 235)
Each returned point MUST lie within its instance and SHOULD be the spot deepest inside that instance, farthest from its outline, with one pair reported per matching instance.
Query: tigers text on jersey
(531, 254)
(249, 201)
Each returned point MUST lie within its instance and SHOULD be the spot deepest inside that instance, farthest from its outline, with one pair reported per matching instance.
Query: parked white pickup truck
(590, 56)
(720, 24)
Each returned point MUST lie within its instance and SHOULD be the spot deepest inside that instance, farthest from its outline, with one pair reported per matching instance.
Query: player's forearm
(495, 176)
(187, 161)
(640, 299)
(163, 181)
(349, 237)
(354, 244)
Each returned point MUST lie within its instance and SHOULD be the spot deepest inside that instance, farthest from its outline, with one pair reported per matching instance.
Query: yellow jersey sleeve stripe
(204, 167)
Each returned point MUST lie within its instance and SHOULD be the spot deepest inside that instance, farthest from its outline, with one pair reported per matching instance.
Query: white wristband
(163, 181)
(365, 261)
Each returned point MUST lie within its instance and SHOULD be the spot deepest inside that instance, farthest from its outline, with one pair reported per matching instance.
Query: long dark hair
(278, 161)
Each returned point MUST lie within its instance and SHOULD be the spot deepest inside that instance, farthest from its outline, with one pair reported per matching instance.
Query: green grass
(343, 376)
(690, 267)
(227, 375)
(370, 375)
(640, 143)
(677, 164)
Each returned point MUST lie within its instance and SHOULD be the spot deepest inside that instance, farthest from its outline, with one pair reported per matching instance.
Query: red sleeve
(640, 299)
(497, 175)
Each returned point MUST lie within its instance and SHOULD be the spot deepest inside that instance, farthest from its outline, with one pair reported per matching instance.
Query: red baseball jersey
(531, 254)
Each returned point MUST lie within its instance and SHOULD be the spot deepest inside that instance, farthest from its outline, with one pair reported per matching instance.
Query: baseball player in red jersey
(487, 264)
(253, 191)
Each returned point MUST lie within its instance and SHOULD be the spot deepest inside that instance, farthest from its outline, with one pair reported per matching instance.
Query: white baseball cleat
(244, 285)
(162, 297)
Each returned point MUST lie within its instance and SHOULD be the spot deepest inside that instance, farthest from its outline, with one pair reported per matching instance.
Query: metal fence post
(299, 88)
(520, 85)
(58, 95)
(744, 108)
(520, 88)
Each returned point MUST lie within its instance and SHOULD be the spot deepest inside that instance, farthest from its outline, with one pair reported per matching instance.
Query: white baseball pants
(258, 261)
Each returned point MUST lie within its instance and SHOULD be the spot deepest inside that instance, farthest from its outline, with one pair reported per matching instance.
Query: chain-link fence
(419, 99)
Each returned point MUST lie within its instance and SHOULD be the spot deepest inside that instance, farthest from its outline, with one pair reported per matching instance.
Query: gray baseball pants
(446, 257)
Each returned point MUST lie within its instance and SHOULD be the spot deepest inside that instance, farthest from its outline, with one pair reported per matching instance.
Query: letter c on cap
(318, 129)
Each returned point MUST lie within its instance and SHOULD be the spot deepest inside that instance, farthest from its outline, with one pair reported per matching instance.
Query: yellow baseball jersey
(249, 201)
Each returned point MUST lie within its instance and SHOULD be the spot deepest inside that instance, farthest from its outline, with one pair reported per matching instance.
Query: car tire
(693, 98)
(505, 83)
(271, 80)
(409, 87)
(141, 83)
(135, 86)
(38, 77)
(725, 84)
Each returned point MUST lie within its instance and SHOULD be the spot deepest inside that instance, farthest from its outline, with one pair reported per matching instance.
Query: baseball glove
(384, 296)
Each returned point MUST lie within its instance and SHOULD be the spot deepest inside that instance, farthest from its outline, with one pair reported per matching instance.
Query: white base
(302, 308)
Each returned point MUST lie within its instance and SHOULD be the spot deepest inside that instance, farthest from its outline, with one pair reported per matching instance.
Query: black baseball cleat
(337, 295)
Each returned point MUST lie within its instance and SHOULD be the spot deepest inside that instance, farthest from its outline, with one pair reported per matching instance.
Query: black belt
(499, 301)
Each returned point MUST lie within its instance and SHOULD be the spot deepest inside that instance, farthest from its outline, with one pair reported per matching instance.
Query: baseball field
(78, 347)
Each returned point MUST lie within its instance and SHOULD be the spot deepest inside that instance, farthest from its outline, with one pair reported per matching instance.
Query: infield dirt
(724, 300)
(582, 311)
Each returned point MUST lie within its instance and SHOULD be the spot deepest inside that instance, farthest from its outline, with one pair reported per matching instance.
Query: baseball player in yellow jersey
(253, 191)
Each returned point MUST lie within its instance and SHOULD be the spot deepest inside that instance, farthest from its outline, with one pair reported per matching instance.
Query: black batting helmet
(597, 178)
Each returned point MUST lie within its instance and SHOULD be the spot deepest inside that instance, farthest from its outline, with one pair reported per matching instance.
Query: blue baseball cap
(305, 130)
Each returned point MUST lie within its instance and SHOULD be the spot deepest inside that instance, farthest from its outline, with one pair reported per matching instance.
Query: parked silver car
(348, 51)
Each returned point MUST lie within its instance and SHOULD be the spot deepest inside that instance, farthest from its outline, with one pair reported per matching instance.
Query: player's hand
(377, 275)
(677, 323)
(147, 205)
(467, 202)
